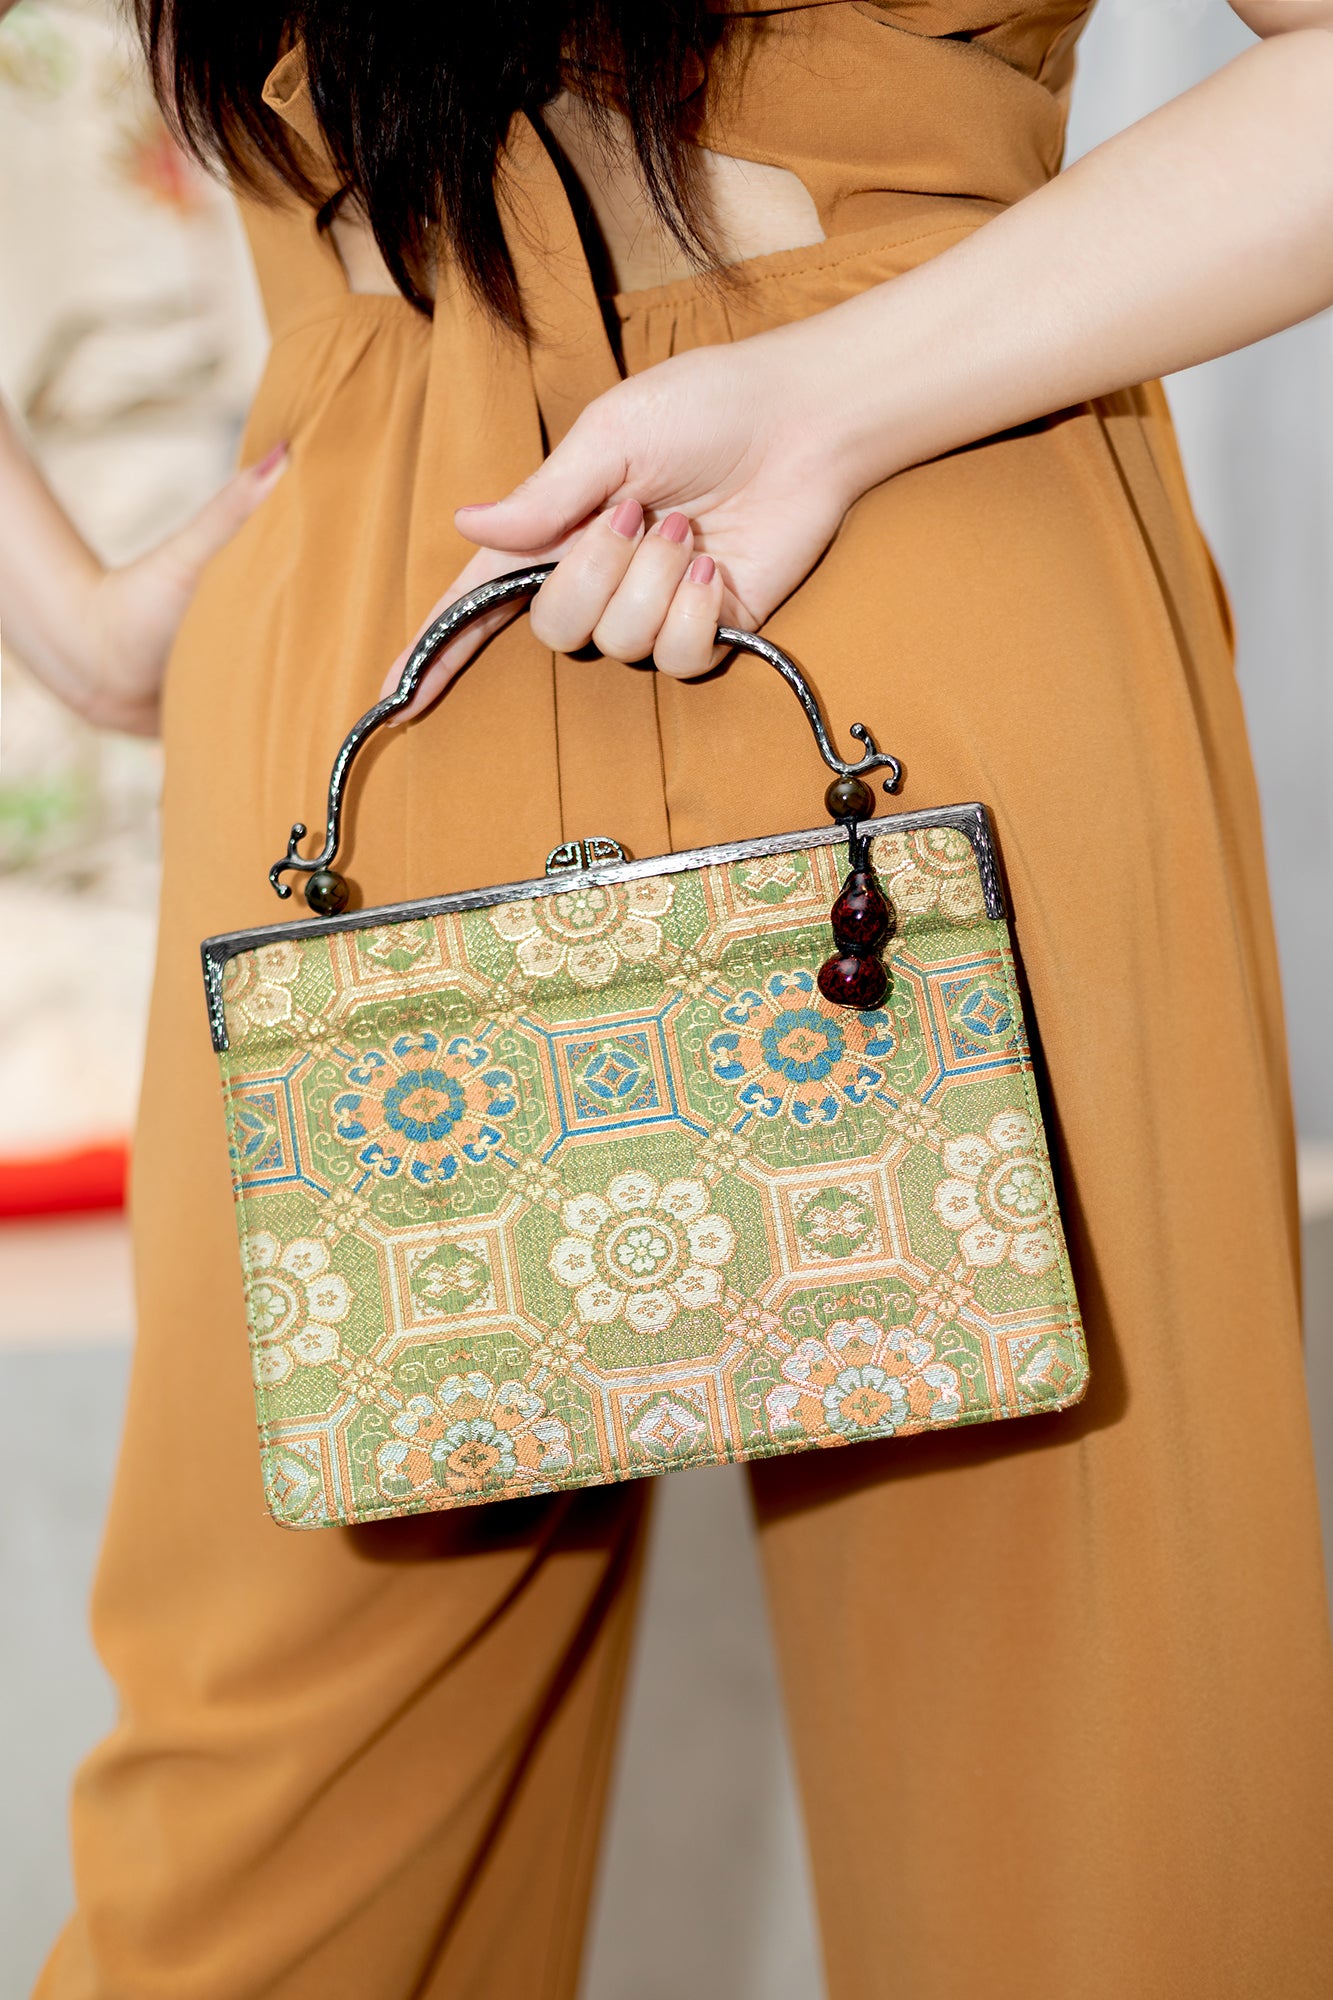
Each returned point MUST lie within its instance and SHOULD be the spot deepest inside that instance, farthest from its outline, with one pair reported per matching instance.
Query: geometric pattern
(596, 1185)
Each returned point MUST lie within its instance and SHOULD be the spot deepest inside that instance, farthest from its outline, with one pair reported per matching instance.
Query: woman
(1060, 1698)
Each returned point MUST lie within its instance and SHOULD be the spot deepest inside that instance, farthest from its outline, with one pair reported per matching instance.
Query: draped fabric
(1061, 1708)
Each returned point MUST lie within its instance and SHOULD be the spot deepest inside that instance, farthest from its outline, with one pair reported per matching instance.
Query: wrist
(69, 639)
(62, 638)
(859, 414)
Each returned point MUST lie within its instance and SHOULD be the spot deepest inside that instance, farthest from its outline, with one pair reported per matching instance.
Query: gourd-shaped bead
(848, 981)
(861, 918)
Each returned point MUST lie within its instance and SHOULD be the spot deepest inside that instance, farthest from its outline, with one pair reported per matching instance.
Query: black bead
(847, 981)
(849, 798)
(861, 918)
(327, 893)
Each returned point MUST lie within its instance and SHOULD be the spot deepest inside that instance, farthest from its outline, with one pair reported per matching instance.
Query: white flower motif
(643, 1252)
(1000, 1200)
(912, 1119)
(367, 1380)
(257, 989)
(587, 931)
(934, 869)
(559, 1352)
(294, 1304)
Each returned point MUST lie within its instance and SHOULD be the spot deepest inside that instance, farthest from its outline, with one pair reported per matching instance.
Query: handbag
(639, 1165)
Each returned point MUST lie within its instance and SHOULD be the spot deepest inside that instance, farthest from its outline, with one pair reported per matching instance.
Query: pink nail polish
(270, 461)
(675, 528)
(701, 569)
(627, 519)
(476, 506)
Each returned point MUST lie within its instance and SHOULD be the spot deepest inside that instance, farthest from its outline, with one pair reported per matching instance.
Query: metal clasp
(573, 856)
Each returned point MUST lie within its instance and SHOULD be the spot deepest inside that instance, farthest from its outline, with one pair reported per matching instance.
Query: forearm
(46, 572)
(1204, 227)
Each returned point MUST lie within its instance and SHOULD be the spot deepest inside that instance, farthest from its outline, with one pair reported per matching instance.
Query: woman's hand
(698, 493)
(99, 638)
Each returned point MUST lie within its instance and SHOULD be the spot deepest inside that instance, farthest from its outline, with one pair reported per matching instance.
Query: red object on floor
(93, 1177)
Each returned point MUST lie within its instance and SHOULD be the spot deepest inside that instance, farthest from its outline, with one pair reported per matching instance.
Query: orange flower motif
(473, 1441)
(786, 1053)
(862, 1380)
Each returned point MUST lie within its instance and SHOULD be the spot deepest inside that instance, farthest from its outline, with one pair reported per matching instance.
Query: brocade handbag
(639, 1165)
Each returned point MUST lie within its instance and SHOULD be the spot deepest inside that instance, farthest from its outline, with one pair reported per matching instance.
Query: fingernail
(270, 461)
(476, 506)
(701, 569)
(627, 519)
(675, 528)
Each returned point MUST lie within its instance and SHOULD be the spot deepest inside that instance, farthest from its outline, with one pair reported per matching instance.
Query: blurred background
(130, 338)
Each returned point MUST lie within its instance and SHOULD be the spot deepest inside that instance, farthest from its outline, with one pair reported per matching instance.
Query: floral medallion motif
(538, 1182)
(294, 1304)
(559, 1351)
(786, 1053)
(366, 1379)
(753, 1324)
(345, 1212)
(472, 1440)
(643, 1252)
(933, 869)
(862, 1380)
(588, 932)
(258, 986)
(948, 1294)
(426, 1106)
(999, 1198)
(722, 1152)
(912, 1120)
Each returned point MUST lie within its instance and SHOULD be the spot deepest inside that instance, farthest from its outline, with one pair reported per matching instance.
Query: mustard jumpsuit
(1059, 1692)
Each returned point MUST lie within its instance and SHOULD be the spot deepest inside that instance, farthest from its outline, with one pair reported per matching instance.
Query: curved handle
(503, 590)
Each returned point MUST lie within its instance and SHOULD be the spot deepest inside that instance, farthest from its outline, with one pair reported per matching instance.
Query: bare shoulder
(1278, 17)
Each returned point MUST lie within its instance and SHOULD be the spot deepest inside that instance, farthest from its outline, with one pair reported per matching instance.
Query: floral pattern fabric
(596, 1185)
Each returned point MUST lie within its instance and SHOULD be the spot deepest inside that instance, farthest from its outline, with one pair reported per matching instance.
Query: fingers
(629, 626)
(580, 475)
(213, 526)
(685, 645)
(634, 595)
(572, 600)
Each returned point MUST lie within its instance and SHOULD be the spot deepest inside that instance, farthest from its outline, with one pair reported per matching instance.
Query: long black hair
(415, 101)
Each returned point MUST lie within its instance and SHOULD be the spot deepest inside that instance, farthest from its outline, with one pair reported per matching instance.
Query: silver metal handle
(328, 893)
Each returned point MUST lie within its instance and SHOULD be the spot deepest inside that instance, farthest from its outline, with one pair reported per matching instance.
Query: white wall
(1257, 435)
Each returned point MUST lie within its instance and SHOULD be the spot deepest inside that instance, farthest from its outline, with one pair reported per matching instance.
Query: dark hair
(415, 101)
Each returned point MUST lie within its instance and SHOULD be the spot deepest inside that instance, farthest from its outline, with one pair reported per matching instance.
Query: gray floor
(704, 1748)
(59, 1414)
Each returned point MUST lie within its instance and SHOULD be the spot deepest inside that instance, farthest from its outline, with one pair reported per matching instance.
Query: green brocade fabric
(595, 1184)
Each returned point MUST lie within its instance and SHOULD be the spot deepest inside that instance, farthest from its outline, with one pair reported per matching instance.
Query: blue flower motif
(421, 1090)
(801, 1046)
(788, 1054)
(424, 1107)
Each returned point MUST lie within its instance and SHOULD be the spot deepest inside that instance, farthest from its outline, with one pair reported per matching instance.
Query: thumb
(583, 472)
(187, 551)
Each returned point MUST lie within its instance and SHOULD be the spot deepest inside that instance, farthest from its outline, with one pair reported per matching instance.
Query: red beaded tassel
(862, 918)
